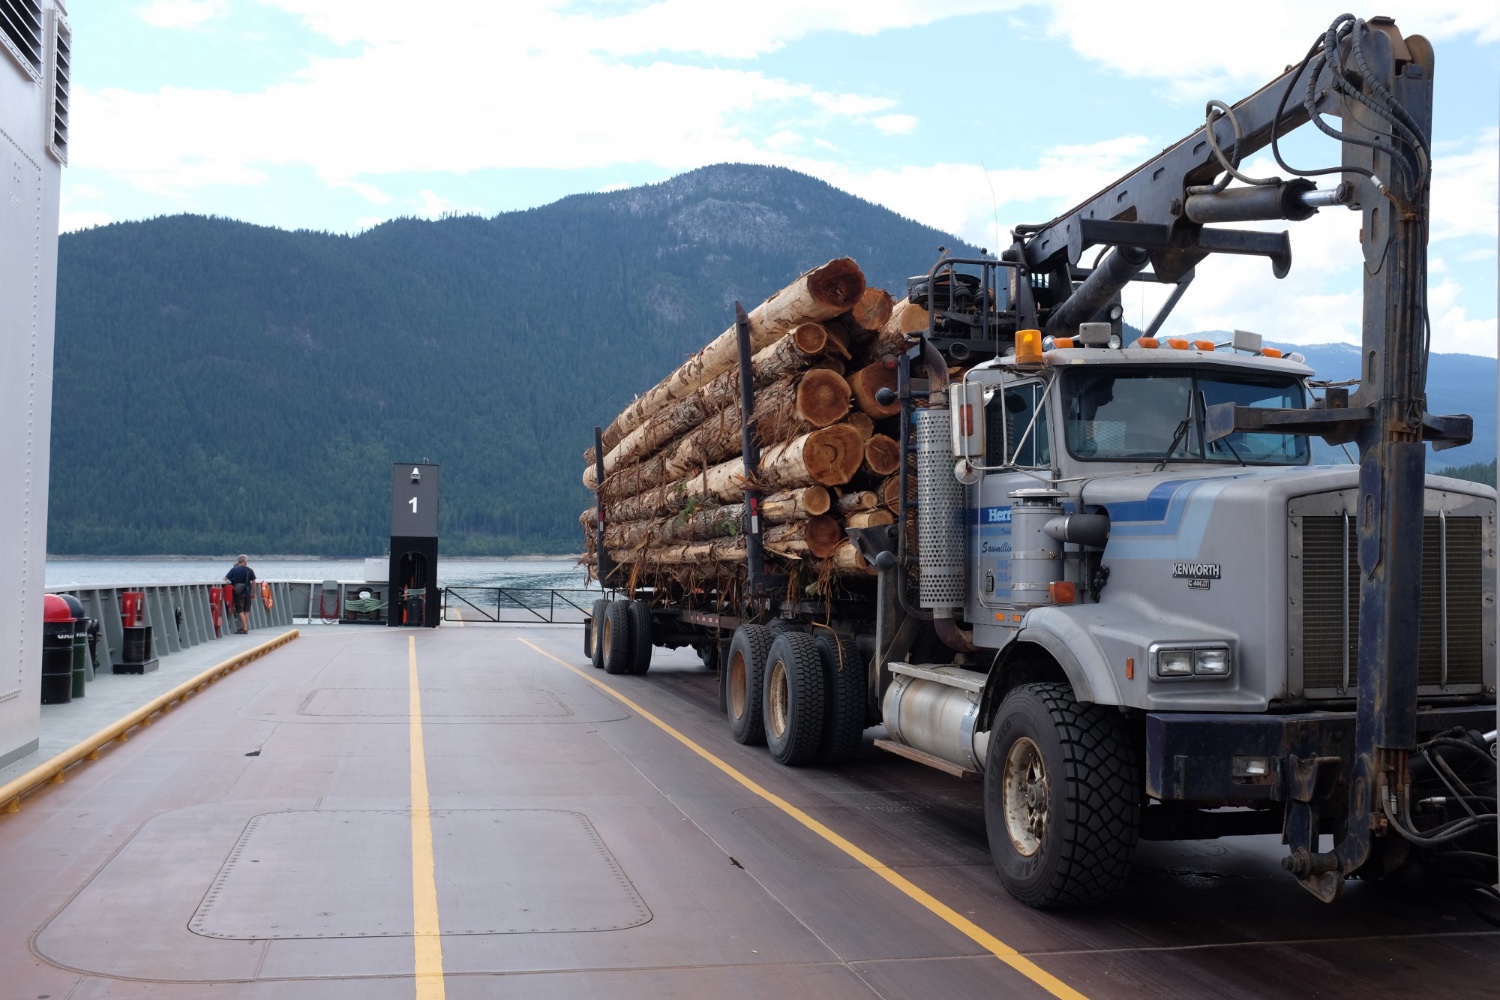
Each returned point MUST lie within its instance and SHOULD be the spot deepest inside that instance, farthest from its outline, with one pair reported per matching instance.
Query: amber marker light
(1150, 342)
(1204, 345)
(1177, 344)
(1269, 352)
(1063, 343)
(1029, 347)
(1130, 668)
(1062, 592)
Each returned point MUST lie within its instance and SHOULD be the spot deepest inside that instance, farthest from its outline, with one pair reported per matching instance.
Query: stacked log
(673, 489)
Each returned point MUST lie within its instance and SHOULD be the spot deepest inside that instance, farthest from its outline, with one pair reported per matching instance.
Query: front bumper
(1189, 756)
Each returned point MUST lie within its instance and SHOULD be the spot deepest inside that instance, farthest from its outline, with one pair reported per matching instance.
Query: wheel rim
(603, 640)
(776, 699)
(737, 695)
(1026, 797)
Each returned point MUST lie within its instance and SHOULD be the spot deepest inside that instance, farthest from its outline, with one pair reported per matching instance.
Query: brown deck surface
(580, 850)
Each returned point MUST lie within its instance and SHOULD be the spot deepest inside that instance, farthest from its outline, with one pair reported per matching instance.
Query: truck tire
(615, 638)
(746, 671)
(593, 648)
(792, 705)
(709, 654)
(1061, 798)
(640, 637)
(844, 697)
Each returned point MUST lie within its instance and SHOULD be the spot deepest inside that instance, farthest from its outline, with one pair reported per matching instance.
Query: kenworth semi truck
(1118, 588)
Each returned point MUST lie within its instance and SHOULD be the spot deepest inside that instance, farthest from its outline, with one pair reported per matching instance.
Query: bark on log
(890, 492)
(818, 537)
(853, 503)
(847, 561)
(819, 294)
(907, 318)
(797, 351)
(882, 454)
(869, 519)
(708, 524)
(867, 382)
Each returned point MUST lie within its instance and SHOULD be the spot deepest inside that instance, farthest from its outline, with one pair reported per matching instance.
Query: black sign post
(414, 598)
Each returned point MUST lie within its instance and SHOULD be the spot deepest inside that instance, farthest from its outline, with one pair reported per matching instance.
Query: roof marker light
(1062, 343)
(1147, 342)
(1269, 352)
(1177, 344)
(1204, 345)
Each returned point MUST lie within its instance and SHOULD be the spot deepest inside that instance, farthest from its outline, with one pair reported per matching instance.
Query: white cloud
(1182, 44)
(181, 13)
(895, 124)
(72, 221)
(1466, 189)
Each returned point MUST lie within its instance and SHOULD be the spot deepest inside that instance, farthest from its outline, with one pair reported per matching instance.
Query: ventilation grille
(21, 25)
(60, 73)
(1452, 579)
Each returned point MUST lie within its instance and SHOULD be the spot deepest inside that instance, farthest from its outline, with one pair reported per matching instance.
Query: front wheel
(1061, 798)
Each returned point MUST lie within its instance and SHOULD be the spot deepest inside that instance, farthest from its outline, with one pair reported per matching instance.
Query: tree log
(710, 523)
(873, 310)
(797, 351)
(862, 423)
(907, 319)
(867, 382)
(853, 503)
(819, 294)
(869, 519)
(846, 561)
(882, 454)
(818, 537)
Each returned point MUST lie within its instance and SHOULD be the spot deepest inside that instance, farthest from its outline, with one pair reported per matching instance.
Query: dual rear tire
(618, 636)
(802, 695)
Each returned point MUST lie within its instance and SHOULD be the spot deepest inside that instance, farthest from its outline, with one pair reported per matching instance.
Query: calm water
(558, 574)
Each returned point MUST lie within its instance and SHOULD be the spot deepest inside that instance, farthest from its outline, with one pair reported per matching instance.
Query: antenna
(994, 205)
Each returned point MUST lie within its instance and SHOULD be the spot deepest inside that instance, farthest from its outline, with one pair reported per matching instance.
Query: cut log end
(838, 284)
(882, 454)
(873, 310)
(832, 455)
(822, 397)
(867, 382)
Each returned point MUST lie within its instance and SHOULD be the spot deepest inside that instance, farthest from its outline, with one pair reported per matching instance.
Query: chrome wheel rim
(1024, 784)
(777, 698)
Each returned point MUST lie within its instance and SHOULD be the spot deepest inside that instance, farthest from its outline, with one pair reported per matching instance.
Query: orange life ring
(265, 596)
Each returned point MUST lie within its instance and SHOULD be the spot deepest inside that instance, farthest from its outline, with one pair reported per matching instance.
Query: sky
(968, 115)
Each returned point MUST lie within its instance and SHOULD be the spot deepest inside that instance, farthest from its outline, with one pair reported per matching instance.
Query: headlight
(1190, 660)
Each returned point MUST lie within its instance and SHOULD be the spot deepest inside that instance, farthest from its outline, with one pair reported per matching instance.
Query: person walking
(240, 577)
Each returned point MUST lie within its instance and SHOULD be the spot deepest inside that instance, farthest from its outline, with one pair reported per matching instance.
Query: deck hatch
(322, 874)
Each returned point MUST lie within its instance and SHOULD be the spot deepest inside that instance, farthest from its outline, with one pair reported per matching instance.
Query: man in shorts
(241, 577)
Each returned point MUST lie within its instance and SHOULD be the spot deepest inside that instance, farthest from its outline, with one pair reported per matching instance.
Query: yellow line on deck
(942, 911)
(425, 929)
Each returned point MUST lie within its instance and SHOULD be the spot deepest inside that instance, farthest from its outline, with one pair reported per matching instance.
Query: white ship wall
(30, 171)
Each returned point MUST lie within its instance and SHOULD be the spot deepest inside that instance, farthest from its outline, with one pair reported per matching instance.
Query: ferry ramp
(474, 812)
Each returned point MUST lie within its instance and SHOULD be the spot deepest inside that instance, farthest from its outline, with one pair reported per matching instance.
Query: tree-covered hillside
(223, 387)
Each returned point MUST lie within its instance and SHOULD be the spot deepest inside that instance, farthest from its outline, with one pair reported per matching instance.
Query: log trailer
(1117, 589)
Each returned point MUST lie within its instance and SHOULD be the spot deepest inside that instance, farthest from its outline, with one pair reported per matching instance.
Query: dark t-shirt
(240, 574)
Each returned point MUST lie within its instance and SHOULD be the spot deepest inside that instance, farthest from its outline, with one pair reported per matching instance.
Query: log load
(822, 293)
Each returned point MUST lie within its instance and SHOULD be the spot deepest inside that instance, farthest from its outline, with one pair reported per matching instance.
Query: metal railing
(519, 605)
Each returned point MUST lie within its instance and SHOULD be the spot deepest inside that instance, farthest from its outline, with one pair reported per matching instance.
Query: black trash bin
(81, 625)
(414, 606)
(57, 651)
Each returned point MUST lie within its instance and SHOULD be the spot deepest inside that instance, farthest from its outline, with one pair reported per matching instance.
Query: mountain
(223, 387)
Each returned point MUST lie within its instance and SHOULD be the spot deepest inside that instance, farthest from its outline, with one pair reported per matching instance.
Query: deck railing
(520, 605)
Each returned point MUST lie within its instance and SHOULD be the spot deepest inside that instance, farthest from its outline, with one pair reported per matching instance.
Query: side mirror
(966, 415)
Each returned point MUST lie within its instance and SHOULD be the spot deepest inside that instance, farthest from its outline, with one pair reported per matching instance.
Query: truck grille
(1452, 578)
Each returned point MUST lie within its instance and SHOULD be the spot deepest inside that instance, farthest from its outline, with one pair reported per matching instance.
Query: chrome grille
(1452, 605)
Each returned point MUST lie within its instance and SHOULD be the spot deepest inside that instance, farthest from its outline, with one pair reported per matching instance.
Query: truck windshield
(1157, 415)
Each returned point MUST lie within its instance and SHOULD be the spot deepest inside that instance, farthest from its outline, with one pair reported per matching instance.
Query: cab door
(1019, 446)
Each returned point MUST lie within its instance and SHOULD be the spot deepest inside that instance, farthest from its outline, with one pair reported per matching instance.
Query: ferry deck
(473, 811)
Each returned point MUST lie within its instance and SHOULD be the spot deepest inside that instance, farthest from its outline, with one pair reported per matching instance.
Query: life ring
(265, 596)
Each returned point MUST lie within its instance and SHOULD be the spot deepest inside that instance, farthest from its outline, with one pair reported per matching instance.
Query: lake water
(559, 574)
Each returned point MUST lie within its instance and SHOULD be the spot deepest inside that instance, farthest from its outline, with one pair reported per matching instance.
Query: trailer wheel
(709, 654)
(593, 647)
(615, 638)
(640, 637)
(746, 671)
(844, 684)
(794, 696)
(1061, 800)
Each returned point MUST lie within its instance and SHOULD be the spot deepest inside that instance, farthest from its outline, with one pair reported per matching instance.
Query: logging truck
(1106, 578)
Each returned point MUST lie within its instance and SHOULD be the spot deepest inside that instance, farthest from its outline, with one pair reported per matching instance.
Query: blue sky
(968, 115)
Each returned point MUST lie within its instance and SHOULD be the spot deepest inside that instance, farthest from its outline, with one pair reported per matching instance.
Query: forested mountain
(223, 387)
